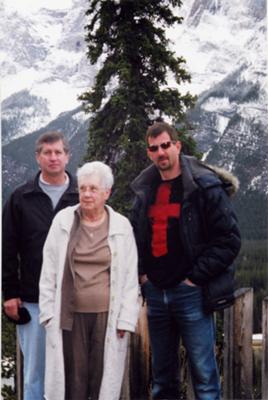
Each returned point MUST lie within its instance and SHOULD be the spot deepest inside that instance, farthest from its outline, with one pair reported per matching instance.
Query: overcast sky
(29, 6)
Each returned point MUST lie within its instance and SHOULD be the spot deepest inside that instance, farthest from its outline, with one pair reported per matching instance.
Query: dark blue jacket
(27, 217)
(208, 225)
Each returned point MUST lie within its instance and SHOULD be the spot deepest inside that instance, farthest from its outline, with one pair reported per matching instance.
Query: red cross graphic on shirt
(160, 212)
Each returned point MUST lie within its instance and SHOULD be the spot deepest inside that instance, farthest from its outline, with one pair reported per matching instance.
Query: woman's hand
(120, 333)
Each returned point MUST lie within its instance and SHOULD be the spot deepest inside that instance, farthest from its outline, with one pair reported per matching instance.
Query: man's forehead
(54, 145)
(162, 136)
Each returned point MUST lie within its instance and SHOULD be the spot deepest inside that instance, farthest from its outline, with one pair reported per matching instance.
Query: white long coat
(123, 309)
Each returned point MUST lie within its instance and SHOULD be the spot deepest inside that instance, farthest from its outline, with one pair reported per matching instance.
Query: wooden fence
(237, 355)
(237, 376)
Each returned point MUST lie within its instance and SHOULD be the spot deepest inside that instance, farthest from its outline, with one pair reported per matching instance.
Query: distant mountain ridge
(224, 43)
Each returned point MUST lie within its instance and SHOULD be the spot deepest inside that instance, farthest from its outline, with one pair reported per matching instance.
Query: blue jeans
(175, 313)
(32, 344)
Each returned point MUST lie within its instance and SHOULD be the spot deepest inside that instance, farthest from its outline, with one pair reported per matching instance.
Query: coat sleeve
(11, 230)
(222, 242)
(135, 219)
(129, 310)
(48, 278)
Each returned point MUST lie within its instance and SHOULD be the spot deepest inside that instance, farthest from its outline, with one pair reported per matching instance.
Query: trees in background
(128, 41)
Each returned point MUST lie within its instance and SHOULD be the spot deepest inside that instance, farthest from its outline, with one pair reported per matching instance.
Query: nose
(161, 151)
(87, 193)
(53, 156)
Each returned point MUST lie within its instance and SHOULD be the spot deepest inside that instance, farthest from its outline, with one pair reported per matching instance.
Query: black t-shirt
(165, 263)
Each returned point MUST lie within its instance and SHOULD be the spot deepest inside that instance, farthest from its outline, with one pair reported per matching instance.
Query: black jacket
(27, 217)
(207, 224)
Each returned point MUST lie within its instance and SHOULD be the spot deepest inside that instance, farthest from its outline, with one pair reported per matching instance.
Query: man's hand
(11, 307)
(143, 279)
(188, 282)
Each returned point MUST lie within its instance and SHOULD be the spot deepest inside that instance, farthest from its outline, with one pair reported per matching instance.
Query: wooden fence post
(228, 351)
(139, 372)
(265, 348)
(19, 371)
(238, 353)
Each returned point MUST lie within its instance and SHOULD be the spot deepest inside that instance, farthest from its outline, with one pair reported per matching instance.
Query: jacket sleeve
(48, 278)
(222, 242)
(129, 311)
(11, 230)
(135, 219)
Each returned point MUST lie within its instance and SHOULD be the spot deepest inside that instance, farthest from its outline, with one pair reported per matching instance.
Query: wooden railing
(264, 371)
(237, 376)
(237, 355)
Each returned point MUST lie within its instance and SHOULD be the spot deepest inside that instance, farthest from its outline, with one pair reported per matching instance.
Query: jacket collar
(115, 225)
(69, 215)
(33, 186)
(149, 176)
(194, 174)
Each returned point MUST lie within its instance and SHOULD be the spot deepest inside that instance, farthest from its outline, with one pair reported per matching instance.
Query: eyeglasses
(164, 146)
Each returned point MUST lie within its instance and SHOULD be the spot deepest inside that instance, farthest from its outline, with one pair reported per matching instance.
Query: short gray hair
(98, 168)
(52, 137)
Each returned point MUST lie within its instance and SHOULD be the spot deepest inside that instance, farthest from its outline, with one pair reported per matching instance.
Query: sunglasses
(164, 146)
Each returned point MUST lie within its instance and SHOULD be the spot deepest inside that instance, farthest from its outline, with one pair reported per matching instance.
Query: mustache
(161, 158)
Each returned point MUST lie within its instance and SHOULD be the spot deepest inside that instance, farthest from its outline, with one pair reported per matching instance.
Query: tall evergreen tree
(128, 39)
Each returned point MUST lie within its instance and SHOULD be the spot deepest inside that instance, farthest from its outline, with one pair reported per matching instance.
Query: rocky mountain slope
(224, 43)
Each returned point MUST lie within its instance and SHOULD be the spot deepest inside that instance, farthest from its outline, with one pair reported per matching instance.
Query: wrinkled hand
(11, 307)
(120, 333)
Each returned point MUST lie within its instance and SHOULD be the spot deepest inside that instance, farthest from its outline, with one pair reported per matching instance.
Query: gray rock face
(224, 43)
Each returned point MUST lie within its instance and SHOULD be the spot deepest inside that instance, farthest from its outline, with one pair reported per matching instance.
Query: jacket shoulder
(19, 191)
(23, 188)
(66, 212)
(118, 222)
(207, 176)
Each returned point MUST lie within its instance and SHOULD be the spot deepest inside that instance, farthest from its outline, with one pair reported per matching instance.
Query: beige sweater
(91, 261)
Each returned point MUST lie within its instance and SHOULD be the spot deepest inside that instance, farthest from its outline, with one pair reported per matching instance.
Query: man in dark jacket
(27, 217)
(187, 239)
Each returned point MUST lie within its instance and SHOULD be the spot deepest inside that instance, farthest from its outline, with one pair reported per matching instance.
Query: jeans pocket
(183, 283)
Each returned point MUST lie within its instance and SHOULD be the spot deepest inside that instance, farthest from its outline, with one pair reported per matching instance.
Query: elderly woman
(88, 293)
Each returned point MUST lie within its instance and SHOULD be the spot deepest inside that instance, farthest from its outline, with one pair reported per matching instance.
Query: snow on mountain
(43, 54)
(217, 36)
(43, 51)
(44, 68)
(23, 112)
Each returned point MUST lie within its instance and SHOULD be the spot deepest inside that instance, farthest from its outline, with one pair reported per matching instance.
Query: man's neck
(55, 179)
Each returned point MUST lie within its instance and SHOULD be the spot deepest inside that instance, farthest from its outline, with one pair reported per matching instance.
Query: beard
(163, 163)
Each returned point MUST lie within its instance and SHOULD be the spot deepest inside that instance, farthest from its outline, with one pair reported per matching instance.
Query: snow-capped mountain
(43, 54)
(44, 69)
(42, 59)
(219, 35)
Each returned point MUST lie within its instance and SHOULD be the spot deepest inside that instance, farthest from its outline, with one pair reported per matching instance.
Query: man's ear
(178, 144)
(68, 157)
(37, 157)
(149, 155)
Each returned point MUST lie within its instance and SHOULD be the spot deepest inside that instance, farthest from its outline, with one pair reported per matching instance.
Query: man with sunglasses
(187, 235)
